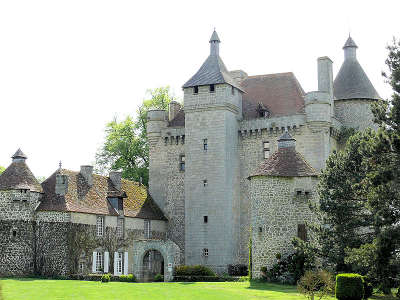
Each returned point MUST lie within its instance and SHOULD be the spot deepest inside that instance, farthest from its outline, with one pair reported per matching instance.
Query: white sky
(69, 67)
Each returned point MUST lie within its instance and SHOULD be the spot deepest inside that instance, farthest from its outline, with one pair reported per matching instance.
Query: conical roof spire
(351, 82)
(19, 155)
(215, 37)
(214, 43)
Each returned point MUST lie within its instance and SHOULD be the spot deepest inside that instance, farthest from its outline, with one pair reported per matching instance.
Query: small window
(205, 219)
(100, 225)
(99, 262)
(195, 90)
(233, 91)
(260, 229)
(182, 163)
(120, 227)
(205, 182)
(205, 144)
(14, 233)
(205, 252)
(302, 232)
(82, 267)
(166, 140)
(147, 229)
(298, 192)
(266, 150)
(212, 88)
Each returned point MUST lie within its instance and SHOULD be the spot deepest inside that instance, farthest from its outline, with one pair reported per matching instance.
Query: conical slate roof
(213, 70)
(18, 176)
(19, 154)
(351, 82)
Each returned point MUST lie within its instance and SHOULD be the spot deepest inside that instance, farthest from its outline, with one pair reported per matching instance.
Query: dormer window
(212, 88)
(195, 90)
(116, 203)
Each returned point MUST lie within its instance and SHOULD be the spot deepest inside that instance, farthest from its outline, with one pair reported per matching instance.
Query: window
(205, 219)
(99, 262)
(196, 90)
(120, 264)
(205, 144)
(266, 150)
(116, 203)
(147, 229)
(212, 88)
(302, 232)
(205, 252)
(205, 182)
(182, 163)
(166, 140)
(260, 229)
(233, 91)
(100, 225)
(82, 267)
(120, 227)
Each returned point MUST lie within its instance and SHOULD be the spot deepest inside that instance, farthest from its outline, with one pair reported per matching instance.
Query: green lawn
(18, 289)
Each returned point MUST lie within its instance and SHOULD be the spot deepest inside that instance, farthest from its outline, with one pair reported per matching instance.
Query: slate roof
(351, 82)
(19, 154)
(18, 176)
(93, 199)
(285, 162)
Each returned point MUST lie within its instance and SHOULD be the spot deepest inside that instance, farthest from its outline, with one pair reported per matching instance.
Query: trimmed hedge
(193, 271)
(197, 278)
(106, 278)
(98, 277)
(349, 286)
(238, 270)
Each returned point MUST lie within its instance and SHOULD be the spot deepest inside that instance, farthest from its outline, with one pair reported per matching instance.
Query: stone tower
(20, 194)
(353, 91)
(212, 106)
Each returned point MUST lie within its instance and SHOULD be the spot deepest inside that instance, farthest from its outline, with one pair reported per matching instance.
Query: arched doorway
(153, 264)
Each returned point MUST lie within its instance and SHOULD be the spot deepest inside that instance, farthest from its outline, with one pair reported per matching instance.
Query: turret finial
(214, 43)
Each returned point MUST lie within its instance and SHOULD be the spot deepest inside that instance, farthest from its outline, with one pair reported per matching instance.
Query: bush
(193, 271)
(238, 270)
(368, 288)
(397, 294)
(316, 284)
(196, 278)
(106, 278)
(349, 286)
(244, 279)
(127, 278)
(158, 278)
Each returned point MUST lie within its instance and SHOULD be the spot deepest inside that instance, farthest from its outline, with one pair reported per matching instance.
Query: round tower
(156, 121)
(353, 91)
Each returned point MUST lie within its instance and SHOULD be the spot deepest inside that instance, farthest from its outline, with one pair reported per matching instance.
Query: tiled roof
(280, 93)
(18, 176)
(93, 199)
(286, 162)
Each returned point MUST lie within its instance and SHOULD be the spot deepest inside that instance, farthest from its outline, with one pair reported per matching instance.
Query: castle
(239, 161)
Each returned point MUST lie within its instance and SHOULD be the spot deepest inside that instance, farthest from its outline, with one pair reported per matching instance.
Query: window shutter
(106, 262)
(126, 263)
(115, 263)
(94, 262)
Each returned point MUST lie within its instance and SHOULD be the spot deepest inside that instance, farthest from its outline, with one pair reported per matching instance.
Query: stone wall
(275, 214)
(18, 204)
(355, 113)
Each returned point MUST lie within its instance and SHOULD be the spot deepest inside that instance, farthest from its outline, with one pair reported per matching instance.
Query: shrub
(238, 270)
(197, 278)
(397, 294)
(349, 286)
(127, 278)
(193, 271)
(316, 284)
(368, 288)
(106, 278)
(158, 278)
(244, 279)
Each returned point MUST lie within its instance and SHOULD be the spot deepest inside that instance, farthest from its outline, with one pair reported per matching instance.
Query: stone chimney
(173, 109)
(115, 177)
(325, 78)
(87, 173)
(61, 184)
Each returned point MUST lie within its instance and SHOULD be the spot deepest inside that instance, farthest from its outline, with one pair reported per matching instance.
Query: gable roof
(18, 176)
(83, 198)
(281, 94)
(285, 162)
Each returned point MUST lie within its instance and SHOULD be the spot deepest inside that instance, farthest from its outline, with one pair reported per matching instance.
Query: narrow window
(266, 150)
(166, 140)
(14, 233)
(233, 91)
(182, 163)
(82, 267)
(120, 227)
(212, 88)
(99, 262)
(205, 252)
(100, 225)
(260, 229)
(196, 90)
(205, 182)
(205, 144)
(302, 232)
(205, 219)
(120, 260)
(147, 229)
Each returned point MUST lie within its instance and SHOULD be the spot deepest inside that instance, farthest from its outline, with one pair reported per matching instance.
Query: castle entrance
(153, 264)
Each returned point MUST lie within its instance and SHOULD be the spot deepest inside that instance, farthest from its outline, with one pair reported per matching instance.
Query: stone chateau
(239, 160)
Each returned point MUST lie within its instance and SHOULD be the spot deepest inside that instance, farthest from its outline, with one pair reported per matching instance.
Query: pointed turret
(19, 155)
(213, 70)
(351, 82)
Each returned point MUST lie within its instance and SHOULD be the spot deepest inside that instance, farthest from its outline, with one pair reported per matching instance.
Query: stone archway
(153, 264)
(168, 250)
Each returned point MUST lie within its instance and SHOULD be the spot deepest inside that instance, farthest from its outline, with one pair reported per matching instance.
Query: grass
(21, 289)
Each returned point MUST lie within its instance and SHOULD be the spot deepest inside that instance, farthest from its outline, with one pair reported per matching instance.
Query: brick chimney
(87, 173)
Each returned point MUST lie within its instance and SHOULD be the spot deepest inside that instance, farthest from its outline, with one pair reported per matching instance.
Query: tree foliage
(126, 147)
(2, 169)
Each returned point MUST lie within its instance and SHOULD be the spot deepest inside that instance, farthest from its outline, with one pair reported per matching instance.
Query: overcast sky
(69, 67)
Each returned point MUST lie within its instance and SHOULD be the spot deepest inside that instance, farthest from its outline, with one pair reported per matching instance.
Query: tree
(2, 169)
(126, 147)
